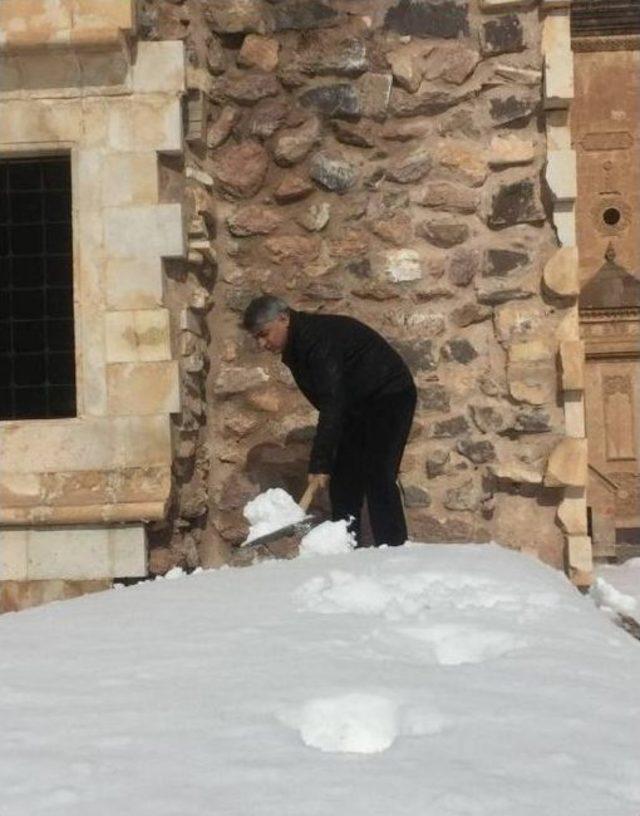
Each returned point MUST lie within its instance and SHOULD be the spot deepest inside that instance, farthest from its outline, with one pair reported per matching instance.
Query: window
(37, 359)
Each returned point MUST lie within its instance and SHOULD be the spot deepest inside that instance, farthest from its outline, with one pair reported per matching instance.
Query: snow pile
(609, 599)
(418, 680)
(348, 723)
(269, 511)
(625, 578)
(328, 538)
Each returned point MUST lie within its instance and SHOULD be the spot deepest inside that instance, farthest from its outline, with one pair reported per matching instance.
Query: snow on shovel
(297, 528)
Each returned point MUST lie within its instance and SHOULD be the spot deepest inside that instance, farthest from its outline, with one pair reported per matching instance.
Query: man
(365, 397)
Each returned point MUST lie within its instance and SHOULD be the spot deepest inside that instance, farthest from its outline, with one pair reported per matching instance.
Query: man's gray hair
(261, 310)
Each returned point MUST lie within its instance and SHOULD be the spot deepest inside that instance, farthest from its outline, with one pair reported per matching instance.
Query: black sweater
(341, 366)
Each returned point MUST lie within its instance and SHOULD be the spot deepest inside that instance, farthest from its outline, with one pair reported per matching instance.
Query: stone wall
(382, 159)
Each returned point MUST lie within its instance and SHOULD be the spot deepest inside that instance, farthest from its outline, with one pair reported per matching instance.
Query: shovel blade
(301, 527)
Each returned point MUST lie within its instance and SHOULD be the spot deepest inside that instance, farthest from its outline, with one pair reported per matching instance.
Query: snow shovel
(300, 528)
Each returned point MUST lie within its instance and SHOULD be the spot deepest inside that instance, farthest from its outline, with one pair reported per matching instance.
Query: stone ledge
(123, 513)
(87, 443)
(70, 490)
(73, 553)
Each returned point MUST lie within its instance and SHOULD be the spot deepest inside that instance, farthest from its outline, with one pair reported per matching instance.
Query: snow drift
(417, 681)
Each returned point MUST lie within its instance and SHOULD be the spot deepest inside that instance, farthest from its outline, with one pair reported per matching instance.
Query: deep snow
(426, 680)
(624, 580)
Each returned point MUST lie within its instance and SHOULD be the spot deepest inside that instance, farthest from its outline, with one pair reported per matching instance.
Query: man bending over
(365, 396)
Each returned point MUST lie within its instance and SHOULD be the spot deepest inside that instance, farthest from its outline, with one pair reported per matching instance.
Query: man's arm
(326, 367)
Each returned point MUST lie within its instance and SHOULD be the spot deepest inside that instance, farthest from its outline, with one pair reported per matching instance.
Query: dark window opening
(37, 350)
(628, 535)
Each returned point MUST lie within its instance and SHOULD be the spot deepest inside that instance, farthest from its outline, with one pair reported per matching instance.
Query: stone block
(73, 553)
(143, 388)
(510, 203)
(401, 265)
(567, 464)
(564, 220)
(509, 150)
(502, 35)
(561, 274)
(159, 67)
(558, 60)
(108, 69)
(558, 129)
(463, 159)
(518, 320)
(515, 470)
(133, 283)
(145, 121)
(19, 490)
(13, 555)
(572, 511)
(89, 443)
(129, 179)
(54, 70)
(97, 15)
(374, 94)
(572, 356)
(574, 415)
(560, 174)
(259, 52)
(137, 336)
(92, 395)
(132, 232)
(580, 559)
(233, 380)
(41, 120)
(531, 372)
(422, 18)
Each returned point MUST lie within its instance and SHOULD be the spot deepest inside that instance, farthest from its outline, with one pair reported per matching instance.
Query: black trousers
(367, 463)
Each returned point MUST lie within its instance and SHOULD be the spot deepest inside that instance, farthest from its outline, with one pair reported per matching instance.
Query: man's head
(267, 319)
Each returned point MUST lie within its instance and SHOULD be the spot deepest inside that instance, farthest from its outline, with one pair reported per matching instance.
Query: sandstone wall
(382, 159)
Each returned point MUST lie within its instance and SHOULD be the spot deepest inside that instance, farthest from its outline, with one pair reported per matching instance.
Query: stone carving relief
(618, 411)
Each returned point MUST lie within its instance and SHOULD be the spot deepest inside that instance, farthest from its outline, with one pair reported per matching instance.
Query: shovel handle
(307, 496)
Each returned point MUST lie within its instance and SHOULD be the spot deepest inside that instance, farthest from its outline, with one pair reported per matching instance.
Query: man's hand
(318, 480)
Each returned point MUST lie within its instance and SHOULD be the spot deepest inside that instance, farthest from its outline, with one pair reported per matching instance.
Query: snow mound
(448, 644)
(356, 722)
(398, 597)
(423, 680)
(269, 511)
(328, 538)
(609, 599)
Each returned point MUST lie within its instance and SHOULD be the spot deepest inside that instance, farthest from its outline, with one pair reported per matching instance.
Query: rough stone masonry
(378, 158)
